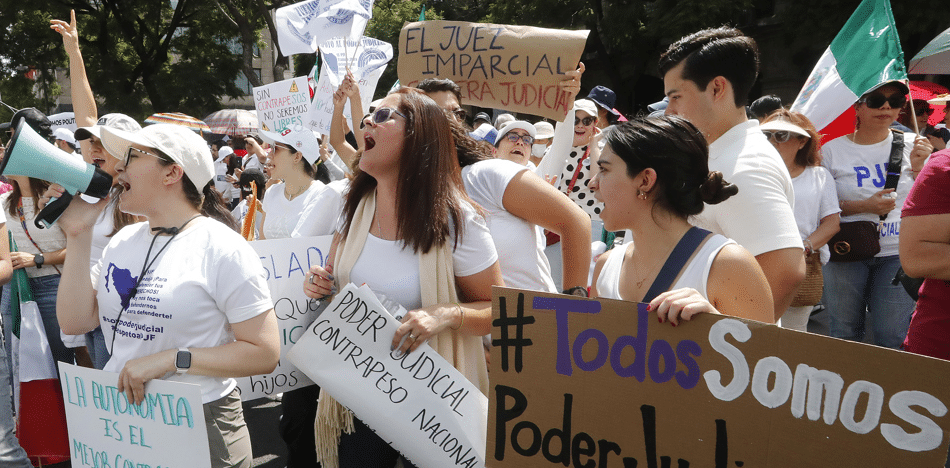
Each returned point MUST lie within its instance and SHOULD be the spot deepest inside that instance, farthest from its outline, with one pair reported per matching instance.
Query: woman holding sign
(653, 176)
(182, 297)
(408, 173)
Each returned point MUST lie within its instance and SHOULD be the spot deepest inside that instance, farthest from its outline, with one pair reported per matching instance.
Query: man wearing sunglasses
(707, 77)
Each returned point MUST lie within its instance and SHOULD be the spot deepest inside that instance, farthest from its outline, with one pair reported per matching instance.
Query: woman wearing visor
(185, 274)
(858, 162)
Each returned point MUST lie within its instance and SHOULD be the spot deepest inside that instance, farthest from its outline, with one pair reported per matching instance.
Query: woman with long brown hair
(410, 233)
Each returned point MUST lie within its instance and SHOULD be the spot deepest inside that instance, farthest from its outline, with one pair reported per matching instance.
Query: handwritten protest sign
(504, 67)
(105, 430)
(367, 60)
(283, 104)
(287, 262)
(418, 402)
(600, 383)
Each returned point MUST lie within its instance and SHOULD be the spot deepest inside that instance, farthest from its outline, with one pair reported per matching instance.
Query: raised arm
(352, 90)
(84, 104)
(337, 134)
(553, 164)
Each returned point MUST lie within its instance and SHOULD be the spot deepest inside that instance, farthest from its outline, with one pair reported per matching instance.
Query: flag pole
(913, 114)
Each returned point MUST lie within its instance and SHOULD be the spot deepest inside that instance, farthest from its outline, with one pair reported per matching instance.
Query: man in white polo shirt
(707, 77)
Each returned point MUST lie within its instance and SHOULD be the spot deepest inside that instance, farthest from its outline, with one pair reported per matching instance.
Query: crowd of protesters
(746, 203)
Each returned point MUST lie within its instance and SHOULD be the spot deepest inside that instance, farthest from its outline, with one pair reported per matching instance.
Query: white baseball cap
(181, 144)
(118, 121)
(526, 126)
(224, 151)
(586, 105)
(544, 130)
(65, 134)
(301, 139)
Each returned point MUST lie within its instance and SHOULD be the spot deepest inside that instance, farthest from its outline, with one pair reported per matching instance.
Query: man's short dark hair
(435, 85)
(713, 52)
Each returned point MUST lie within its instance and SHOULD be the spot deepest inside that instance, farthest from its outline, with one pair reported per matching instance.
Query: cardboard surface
(282, 104)
(602, 383)
(516, 68)
(287, 262)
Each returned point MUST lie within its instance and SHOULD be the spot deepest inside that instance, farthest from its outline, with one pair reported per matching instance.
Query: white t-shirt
(390, 268)
(760, 216)
(49, 240)
(815, 198)
(283, 214)
(240, 211)
(251, 161)
(221, 183)
(523, 264)
(321, 217)
(207, 278)
(695, 274)
(860, 171)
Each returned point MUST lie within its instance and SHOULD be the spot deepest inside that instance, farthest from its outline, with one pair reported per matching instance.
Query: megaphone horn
(30, 155)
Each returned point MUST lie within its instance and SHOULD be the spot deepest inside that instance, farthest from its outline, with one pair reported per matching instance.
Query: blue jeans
(96, 344)
(854, 290)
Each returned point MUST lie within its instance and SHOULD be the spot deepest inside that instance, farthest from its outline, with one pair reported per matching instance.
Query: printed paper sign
(105, 430)
(63, 120)
(601, 383)
(367, 60)
(283, 104)
(287, 262)
(418, 402)
(516, 68)
(303, 26)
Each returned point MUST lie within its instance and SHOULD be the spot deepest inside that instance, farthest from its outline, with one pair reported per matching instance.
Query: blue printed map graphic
(122, 282)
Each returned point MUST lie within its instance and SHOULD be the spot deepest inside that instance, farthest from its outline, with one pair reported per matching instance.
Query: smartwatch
(38, 259)
(182, 361)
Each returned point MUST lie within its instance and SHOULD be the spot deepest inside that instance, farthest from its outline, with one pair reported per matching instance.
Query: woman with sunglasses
(293, 157)
(920, 114)
(409, 172)
(858, 162)
(653, 175)
(816, 200)
(185, 275)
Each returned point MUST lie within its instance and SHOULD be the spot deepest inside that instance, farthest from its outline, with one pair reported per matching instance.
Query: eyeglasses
(923, 111)
(128, 154)
(779, 136)
(515, 138)
(877, 100)
(383, 114)
(586, 121)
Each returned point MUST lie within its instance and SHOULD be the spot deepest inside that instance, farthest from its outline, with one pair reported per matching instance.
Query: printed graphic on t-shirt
(877, 174)
(135, 300)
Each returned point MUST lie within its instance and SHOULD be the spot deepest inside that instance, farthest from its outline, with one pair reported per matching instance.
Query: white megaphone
(29, 154)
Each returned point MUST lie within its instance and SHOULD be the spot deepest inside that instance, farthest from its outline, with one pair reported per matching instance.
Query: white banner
(418, 403)
(367, 62)
(63, 120)
(303, 26)
(287, 262)
(283, 104)
(105, 430)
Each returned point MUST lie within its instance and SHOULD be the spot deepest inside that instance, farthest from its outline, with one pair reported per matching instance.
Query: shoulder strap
(894, 162)
(681, 254)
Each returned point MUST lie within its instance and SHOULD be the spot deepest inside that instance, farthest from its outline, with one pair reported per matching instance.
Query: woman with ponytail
(185, 274)
(653, 175)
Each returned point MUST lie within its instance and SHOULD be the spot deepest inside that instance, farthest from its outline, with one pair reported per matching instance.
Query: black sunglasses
(925, 110)
(779, 136)
(877, 100)
(586, 121)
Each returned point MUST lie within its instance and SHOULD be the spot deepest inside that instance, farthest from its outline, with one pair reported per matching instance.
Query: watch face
(183, 360)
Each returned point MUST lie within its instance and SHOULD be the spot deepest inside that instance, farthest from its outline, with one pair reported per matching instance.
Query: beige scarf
(437, 279)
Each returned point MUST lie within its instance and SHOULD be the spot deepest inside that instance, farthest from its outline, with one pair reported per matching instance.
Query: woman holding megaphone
(181, 297)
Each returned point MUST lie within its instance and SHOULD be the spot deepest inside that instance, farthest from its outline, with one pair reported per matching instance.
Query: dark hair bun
(715, 189)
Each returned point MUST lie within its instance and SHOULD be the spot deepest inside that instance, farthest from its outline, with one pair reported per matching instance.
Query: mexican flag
(864, 54)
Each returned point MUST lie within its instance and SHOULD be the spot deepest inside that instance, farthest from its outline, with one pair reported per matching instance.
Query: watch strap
(182, 361)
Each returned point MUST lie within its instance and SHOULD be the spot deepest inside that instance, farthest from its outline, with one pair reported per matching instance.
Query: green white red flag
(865, 53)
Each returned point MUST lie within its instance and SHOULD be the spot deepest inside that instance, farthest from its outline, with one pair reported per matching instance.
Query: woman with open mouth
(182, 296)
(406, 216)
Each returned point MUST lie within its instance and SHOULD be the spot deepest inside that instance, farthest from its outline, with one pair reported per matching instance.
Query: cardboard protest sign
(417, 402)
(287, 262)
(105, 430)
(63, 120)
(366, 59)
(303, 26)
(578, 382)
(283, 104)
(516, 68)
